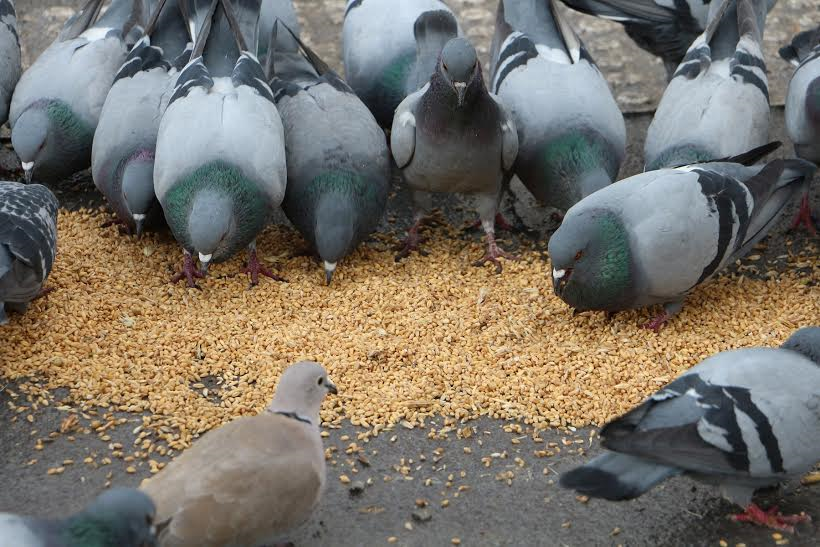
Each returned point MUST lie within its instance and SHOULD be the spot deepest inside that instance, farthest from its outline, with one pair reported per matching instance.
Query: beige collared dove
(252, 481)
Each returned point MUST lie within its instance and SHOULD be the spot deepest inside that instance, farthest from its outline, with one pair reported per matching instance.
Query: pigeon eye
(148, 520)
(444, 65)
(320, 381)
(578, 255)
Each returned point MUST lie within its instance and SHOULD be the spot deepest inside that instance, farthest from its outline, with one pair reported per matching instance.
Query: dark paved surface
(511, 502)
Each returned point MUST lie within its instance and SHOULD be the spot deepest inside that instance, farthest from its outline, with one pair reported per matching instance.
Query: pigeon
(56, 105)
(742, 419)
(28, 243)
(338, 179)
(10, 61)
(122, 155)
(120, 517)
(219, 170)
(253, 480)
(452, 135)
(571, 134)
(273, 10)
(654, 237)
(663, 28)
(803, 108)
(717, 103)
(381, 53)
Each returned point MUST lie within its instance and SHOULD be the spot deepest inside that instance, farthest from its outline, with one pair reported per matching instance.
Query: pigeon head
(301, 389)
(805, 341)
(591, 260)
(51, 141)
(335, 231)
(459, 68)
(211, 224)
(138, 186)
(123, 516)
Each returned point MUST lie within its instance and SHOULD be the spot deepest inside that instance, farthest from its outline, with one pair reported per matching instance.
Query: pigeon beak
(560, 279)
(331, 387)
(461, 89)
(139, 222)
(28, 170)
(330, 267)
(204, 262)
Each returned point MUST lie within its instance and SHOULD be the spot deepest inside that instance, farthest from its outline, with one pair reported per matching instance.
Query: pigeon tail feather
(617, 477)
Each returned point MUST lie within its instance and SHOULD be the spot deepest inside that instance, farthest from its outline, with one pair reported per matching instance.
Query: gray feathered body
(571, 133)
(10, 61)
(122, 155)
(741, 419)
(717, 103)
(219, 169)
(271, 11)
(379, 50)
(803, 96)
(653, 237)
(338, 163)
(28, 242)
(58, 100)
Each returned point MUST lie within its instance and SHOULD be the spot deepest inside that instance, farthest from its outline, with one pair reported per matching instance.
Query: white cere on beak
(330, 266)
(460, 85)
(139, 216)
(27, 165)
(204, 258)
(558, 274)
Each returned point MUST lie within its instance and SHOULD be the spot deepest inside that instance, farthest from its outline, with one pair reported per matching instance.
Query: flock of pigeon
(206, 115)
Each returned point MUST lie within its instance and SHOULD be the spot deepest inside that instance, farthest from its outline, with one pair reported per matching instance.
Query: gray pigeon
(338, 179)
(452, 135)
(57, 103)
(120, 517)
(803, 107)
(10, 67)
(28, 243)
(571, 134)
(661, 27)
(273, 10)
(381, 53)
(122, 156)
(255, 479)
(652, 238)
(742, 419)
(219, 170)
(717, 103)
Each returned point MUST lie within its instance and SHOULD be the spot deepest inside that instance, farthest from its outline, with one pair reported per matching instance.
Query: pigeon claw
(771, 518)
(411, 243)
(189, 272)
(493, 254)
(657, 322)
(804, 218)
(254, 268)
(44, 291)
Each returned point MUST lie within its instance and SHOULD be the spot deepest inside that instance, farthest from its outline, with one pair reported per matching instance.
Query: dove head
(50, 140)
(301, 390)
(591, 262)
(138, 186)
(460, 70)
(805, 341)
(122, 516)
(335, 229)
(211, 224)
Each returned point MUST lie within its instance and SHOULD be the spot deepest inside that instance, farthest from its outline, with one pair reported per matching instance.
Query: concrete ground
(492, 485)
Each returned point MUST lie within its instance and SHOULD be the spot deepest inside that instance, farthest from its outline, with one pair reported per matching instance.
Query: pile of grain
(429, 335)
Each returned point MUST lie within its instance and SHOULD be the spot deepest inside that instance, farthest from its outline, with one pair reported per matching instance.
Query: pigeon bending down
(120, 517)
(28, 243)
(388, 46)
(10, 60)
(57, 103)
(803, 108)
(571, 134)
(742, 419)
(219, 170)
(122, 155)
(717, 103)
(337, 158)
(652, 238)
(452, 135)
(252, 481)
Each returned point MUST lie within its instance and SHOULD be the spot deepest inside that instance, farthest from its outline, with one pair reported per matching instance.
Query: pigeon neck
(293, 416)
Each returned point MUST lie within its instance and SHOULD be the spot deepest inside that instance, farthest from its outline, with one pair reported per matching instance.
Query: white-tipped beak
(27, 165)
(205, 258)
(558, 274)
